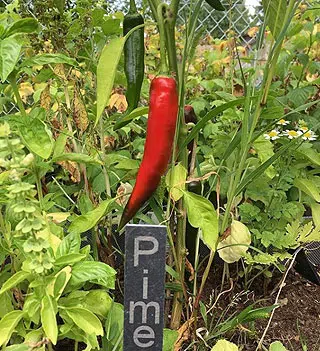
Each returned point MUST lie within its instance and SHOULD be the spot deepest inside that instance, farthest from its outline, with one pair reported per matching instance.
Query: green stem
(15, 89)
(39, 188)
(76, 344)
(163, 64)
(133, 7)
(50, 348)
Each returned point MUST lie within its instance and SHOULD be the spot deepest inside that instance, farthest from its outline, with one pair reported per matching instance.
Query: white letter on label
(141, 333)
(138, 251)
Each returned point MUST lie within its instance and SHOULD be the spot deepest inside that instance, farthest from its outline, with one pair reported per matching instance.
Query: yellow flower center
(293, 133)
(273, 133)
(282, 121)
(308, 135)
(304, 129)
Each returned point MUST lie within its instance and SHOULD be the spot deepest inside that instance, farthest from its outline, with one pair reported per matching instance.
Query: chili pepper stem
(133, 7)
(163, 63)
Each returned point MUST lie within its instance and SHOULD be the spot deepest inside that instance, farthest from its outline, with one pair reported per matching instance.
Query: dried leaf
(25, 90)
(124, 191)
(80, 115)
(119, 102)
(59, 71)
(184, 334)
(45, 98)
(73, 169)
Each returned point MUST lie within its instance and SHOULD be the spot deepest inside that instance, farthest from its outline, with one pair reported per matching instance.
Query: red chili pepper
(163, 111)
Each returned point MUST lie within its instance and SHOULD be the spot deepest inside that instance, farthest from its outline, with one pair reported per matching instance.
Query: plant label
(144, 290)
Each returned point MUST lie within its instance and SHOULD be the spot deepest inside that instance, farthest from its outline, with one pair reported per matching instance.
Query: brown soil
(296, 323)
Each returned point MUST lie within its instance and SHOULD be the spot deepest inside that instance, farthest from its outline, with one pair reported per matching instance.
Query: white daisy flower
(309, 135)
(273, 135)
(292, 134)
(304, 129)
(283, 122)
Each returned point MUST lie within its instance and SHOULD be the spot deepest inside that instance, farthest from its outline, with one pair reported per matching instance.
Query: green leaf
(169, 339)
(37, 137)
(69, 259)
(9, 55)
(13, 281)
(98, 301)
(114, 324)
(8, 324)
(201, 214)
(60, 282)
(308, 187)
(60, 5)
(216, 4)
(277, 346)
(48, 318)
(309, 153)
(94, 272)
(25, 25)
(45, 59)
(91, 218)
(106, 72)
(80, 158)
(275, 12)
(176, 181)
(69, 244)
(59, 145)
(18, 347)
(224, 345)
(124, 120)
(85, 320)
(213, 113)
(315, 208)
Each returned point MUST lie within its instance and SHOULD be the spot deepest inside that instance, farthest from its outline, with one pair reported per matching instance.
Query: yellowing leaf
(58, 217)
(175, 181)
(25, 90)
(45, 98)
(224, 345)
(80, 115)
(239, 235)
(201, 214)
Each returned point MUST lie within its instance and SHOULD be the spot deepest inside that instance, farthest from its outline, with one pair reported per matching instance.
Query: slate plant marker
(144, 290)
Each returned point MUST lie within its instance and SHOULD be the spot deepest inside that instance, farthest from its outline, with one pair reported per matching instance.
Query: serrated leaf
(176, 181)
(308, 187)
(9, 55)
(8, 324)
(106, 72)
(85, 320)
(13, 281)
(91, 218)
(201, 214)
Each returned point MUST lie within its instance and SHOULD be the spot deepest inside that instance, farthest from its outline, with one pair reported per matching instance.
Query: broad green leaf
(13, 281)
(277, 346)
(114, 324)
(201, 214)
(94, 272)
(98, 301)
(9, 55)
(176, 181)
(8, 324)
(6, 305)
(213, 113)
(37, 137)
(80, 158)
(61, 279)
(85, 320)
(308, 187)
(224, 345)
(216, 4)
(18, 347)
(169, 339)
(91, 218)
(45, 59)
(69, 259)
(309, 153)
(124, 120)
(106, 72)
(239, 234)
(60, 5)
(59, 145)
(315, 208)
(25, 25)
(69, 244)
(275, 12)
(48, 318)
